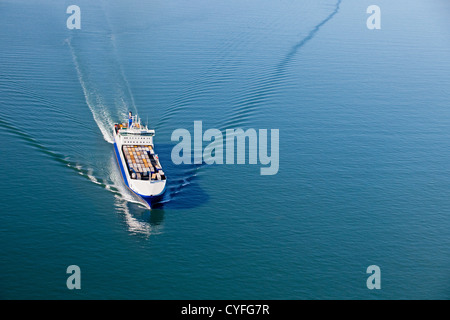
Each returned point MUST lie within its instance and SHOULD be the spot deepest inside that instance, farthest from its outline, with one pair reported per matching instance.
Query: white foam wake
(99, 111)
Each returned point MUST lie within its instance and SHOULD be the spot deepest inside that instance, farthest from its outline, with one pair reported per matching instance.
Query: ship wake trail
(101, 76)
(266, 86)
(61, 159)
(124, 84)
(100, 112)
(283, 64)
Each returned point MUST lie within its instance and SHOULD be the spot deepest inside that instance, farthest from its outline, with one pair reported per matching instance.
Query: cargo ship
(139, 164)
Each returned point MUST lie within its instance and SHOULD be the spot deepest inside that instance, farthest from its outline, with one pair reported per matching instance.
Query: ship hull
(152, 200)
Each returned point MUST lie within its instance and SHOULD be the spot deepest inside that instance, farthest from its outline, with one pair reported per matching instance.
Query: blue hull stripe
(122, 170)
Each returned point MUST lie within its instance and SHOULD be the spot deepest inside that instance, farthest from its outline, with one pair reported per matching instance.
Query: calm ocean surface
(364, 176)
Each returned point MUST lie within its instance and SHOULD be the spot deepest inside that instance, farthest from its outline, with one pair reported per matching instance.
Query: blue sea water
(364, 172)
